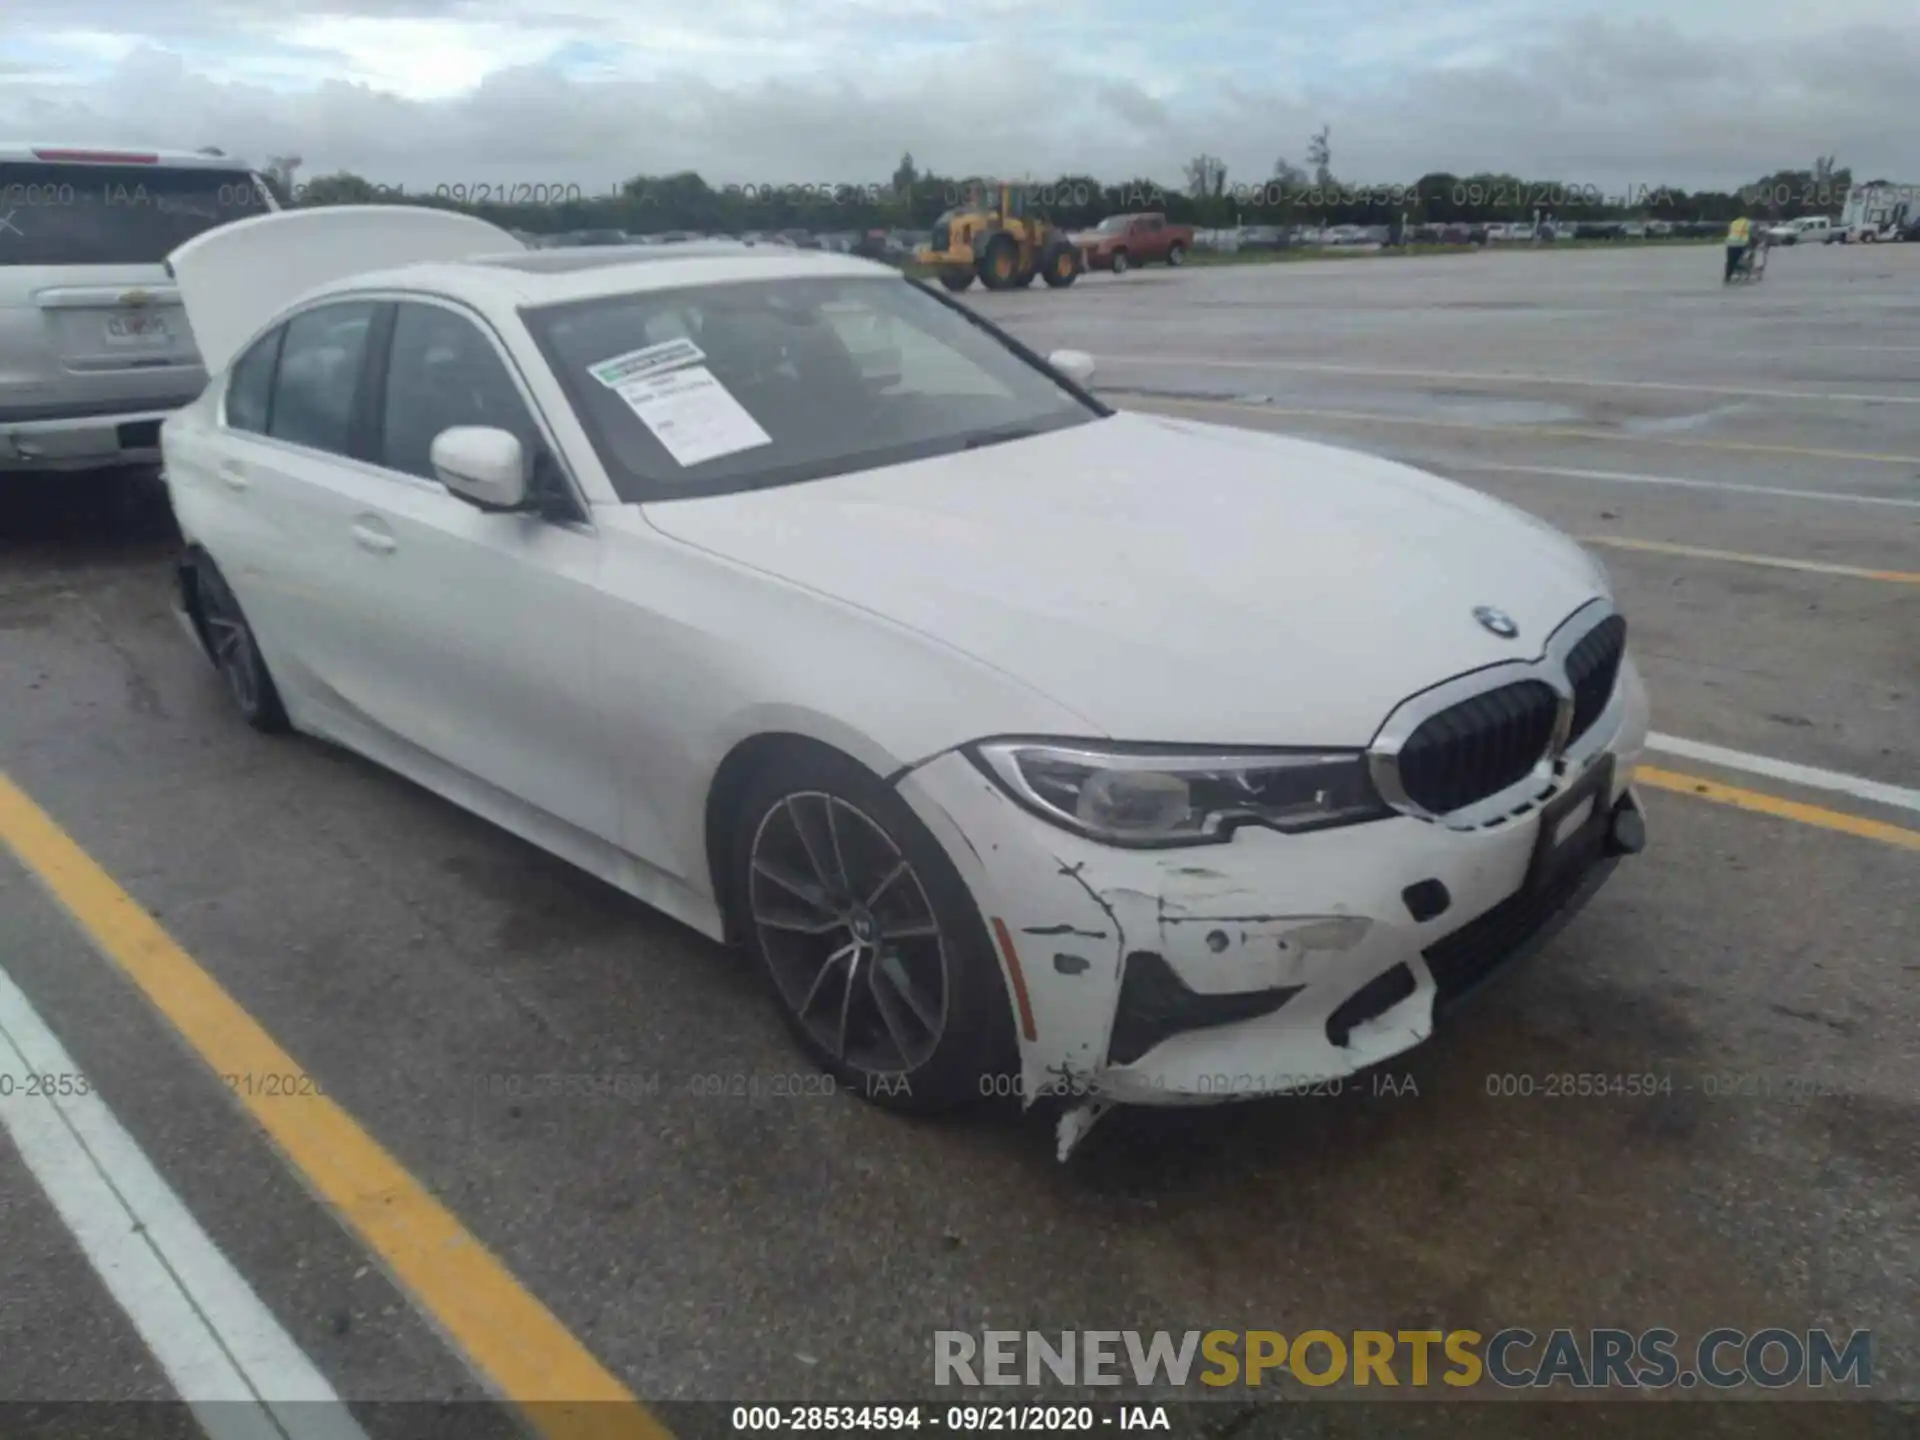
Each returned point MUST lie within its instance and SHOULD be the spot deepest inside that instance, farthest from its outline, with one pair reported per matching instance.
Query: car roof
(32, 152)
(555, 277)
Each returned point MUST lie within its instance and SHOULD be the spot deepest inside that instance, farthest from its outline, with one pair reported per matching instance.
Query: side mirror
(482, 465)
(1076, 365)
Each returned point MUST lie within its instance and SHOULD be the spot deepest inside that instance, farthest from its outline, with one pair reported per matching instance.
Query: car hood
(1173, 581)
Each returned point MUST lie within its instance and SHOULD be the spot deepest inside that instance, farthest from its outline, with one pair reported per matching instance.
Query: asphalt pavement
(556, 1065)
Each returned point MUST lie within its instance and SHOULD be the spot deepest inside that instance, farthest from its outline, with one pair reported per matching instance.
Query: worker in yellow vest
(1739, 235)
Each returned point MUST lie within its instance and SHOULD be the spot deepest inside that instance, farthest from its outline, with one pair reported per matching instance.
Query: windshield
(1116, 222)
(114, 214)
(770, 382)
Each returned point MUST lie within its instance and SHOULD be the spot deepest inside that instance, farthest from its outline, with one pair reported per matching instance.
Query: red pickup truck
(1120, 242)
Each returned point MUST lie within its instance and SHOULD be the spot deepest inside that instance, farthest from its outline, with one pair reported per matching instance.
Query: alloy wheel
(849, 934)
(231, 641)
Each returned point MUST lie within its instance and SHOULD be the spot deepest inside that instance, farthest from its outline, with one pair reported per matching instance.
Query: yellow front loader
(997, 236)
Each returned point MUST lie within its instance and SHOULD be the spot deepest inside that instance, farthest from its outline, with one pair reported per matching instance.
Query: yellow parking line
(513, 1341)
(1818, 815)
(1777, 562)
(1558, 432)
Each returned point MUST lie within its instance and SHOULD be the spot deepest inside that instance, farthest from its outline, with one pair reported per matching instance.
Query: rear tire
(235, 651)
(874, 949)
(1062, 267)
(1177, 254)
(956, 280)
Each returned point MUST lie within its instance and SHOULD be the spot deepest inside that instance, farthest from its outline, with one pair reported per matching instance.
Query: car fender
(788, 661)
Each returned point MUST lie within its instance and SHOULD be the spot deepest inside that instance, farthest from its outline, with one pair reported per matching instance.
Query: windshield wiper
(1025, 432)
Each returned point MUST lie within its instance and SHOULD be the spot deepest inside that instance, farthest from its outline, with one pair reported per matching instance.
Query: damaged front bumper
(1269, 964)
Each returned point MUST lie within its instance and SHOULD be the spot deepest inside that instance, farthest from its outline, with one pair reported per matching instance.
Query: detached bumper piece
(1156, 1004)
(1369, 1002)
(1518, 927)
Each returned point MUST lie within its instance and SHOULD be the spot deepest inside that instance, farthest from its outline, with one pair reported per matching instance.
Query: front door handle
(234, 474)
(372, 534)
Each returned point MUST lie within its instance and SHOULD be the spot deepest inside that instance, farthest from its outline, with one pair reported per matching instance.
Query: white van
(94, 347)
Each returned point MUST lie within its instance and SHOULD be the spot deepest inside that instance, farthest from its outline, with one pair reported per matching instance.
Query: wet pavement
(427, 968)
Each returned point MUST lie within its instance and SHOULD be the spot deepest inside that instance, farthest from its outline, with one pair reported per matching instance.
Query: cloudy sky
(429, 92)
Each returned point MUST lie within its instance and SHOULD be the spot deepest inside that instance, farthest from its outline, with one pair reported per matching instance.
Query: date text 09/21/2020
(959, 1419)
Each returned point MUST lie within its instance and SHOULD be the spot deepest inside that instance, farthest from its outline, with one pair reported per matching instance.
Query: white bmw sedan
(1031, 748)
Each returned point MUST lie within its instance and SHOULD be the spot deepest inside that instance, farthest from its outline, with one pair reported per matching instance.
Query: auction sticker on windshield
(667, 355)
(693, 415)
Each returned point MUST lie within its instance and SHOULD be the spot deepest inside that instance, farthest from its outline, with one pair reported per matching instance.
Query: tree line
(1206, 197)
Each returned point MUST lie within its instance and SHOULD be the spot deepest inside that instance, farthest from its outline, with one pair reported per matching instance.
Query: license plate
(1572, 827)
(137, 330)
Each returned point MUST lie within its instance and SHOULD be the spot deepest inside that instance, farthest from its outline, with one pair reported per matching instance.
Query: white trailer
(1878, 211)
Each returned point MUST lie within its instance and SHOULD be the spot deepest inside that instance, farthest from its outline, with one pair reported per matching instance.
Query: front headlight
(1159, 795)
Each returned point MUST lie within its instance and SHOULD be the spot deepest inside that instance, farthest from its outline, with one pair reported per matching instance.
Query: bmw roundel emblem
(1497, 621)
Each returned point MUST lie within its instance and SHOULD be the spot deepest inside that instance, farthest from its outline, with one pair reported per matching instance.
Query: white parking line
(1813, 778)
(1320, 367)
(1682, 482)
(1149, 398)
(1738, 557)
(222, 1350)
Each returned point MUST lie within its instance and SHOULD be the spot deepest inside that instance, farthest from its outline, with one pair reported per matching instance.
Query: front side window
(442, 371)
(250, 387)
(320, 364)
(736, 386)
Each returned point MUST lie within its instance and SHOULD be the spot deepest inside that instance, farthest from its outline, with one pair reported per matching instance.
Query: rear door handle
(234, 474)
(371, 533)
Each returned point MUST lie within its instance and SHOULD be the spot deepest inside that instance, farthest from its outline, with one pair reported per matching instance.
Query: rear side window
(321, 360)
(250, 390)
(65, 214)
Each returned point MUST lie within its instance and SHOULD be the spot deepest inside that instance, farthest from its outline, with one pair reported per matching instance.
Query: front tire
(1062, 267)
(235, 651)
(873, 946)
(1000, 264)
(1119, 262)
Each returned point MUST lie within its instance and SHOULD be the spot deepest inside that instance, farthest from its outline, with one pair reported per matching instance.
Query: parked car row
(1895, 225)
(1274, 237)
